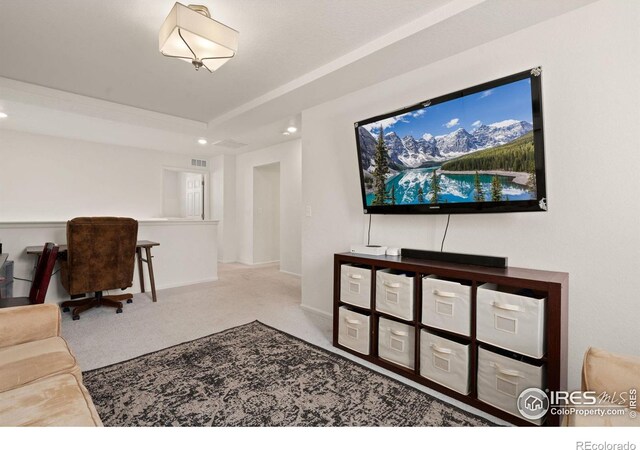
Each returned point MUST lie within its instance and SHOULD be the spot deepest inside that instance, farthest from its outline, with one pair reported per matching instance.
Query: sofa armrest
(22, 324)
(605, 372)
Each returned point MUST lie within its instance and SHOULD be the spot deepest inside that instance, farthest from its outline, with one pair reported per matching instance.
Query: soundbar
(457, 258)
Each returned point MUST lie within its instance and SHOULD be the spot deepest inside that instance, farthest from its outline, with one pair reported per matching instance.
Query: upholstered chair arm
(605, 372)
(22, 324)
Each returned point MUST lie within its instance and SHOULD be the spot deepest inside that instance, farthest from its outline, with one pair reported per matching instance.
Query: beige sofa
(615, 379)
(40, 381)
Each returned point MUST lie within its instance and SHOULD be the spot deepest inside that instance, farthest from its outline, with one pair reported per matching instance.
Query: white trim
(291, 273)
(181, 284)
(142, 222)
(317, 311)
(262, 263)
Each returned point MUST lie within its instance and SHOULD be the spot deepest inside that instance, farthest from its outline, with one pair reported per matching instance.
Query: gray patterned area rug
(255, 375)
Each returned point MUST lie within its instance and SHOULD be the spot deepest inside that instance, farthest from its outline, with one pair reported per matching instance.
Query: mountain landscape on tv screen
(493, 162)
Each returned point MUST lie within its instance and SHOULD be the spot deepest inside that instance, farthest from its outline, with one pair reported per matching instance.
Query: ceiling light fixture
(3, 115)
(285, 133)
(292, 129)
(190, 34)
(202, 141)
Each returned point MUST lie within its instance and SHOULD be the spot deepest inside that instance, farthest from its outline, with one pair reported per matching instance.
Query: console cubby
(531, 305)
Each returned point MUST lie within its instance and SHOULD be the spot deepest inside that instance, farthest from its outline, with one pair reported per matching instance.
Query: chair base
(79, 306)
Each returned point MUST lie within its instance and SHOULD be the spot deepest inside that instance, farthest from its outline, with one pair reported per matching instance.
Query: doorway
(266, 213)
(183, 194)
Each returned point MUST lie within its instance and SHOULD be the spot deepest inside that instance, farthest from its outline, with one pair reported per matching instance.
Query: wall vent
(199, 162)
(229, 143)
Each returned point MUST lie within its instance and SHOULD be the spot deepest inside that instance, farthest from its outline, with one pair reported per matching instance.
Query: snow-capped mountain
(500, 133)
(410, 153)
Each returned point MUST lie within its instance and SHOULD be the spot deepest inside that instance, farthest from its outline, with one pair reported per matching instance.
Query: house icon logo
(533, 403)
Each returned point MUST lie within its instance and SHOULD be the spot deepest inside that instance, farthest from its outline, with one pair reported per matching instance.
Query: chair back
(42, 276)
(100, 254)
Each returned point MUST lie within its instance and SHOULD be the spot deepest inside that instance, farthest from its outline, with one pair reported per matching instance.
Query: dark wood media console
(552, 285)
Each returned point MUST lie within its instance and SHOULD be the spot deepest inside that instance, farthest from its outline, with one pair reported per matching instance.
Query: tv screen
(476, 150)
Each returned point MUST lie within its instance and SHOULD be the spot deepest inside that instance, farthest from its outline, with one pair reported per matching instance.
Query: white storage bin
(396, 342)
(511, 321)
(353, 330)
(355, 285)
(446, 305)
(394, 294)
(444, 361)
(502, 379)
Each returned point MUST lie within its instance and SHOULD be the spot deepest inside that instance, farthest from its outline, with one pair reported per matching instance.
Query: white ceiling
(292, 54)
(109, 49)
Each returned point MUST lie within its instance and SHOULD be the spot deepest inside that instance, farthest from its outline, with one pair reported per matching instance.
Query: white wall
(171, 201)
(223, 204)
(50, 178)
(187, 253)
(266, 213)
(591, 106)
(289, 155)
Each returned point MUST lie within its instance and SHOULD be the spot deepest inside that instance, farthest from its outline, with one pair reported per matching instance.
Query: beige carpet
(241, 295)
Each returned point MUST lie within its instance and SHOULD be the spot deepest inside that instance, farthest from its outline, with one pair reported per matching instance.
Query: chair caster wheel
(76, 317)
(129, 301)
(118, 311)
(65, 309)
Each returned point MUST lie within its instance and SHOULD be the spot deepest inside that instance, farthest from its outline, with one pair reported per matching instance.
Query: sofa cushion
(59, 400)
(590, 417)
(28, 362)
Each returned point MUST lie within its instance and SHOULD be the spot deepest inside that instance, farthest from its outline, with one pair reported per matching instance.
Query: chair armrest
(22, 324)
(605, 372)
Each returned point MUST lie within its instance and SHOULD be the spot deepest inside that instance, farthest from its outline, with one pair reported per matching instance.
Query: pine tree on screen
(381, 160)
(496, 189)
(478, 196)
(435, 187)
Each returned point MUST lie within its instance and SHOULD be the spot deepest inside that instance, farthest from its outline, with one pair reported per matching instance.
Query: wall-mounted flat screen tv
(476, 150)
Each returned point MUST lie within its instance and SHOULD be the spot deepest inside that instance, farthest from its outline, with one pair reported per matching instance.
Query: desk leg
(151, 277)
(140, 273)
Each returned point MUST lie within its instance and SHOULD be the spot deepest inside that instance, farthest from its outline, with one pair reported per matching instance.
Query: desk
(140, 245)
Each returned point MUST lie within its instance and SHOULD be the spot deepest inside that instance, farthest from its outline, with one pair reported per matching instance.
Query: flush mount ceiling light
(3, 115)
(202, 141)
(292, 129)
(190, 34)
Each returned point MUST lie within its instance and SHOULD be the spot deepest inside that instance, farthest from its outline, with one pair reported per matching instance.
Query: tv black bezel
(539, 204)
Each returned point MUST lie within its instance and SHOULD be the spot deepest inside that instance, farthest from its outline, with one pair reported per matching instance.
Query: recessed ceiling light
(285, 133)
(202, 141)
(3, 115)
(292, 129)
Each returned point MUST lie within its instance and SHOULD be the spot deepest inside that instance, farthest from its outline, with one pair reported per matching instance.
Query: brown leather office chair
(100, 257)
(41, 279)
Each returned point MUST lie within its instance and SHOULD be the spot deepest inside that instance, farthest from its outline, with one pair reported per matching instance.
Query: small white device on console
(376, 250)
(393, 251)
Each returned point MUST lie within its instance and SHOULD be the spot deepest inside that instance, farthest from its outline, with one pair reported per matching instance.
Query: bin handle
(506, 306)
(353, 321)
(391, 285)
(440, 293)
(355, 276)
(435, 348)
(399, 333)
(508, 372)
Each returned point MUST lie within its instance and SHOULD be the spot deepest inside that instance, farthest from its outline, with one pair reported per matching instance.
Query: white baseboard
(317, 311)
(182, 284)
(264, 262)
(291, 273)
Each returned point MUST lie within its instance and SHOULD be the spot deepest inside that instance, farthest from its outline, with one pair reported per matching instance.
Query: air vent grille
(229, 143)
(199, 162)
